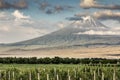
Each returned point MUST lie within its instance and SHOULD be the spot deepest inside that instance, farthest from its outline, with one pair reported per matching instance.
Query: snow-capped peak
(89, 22)
(87, 18)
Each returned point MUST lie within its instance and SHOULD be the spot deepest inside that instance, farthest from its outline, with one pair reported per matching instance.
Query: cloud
(105, 15)
(58, 8)
(74, 18)
(102, 15)
(49, 11)
(3, 16)
(61, 24)
(87, 3)
(12, 33)
(12, 30)
(4, 28)
(93, 4)
(44, 5)
(92, 32)
(20, 4)
(53, 8)
(17, 14)
(4, 4)
(17, 26)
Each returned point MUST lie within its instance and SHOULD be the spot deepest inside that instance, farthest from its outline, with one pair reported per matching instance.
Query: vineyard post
(5, 75)
(94, 75)
(68, 74)
(102, 76)
(0, 75)
(13, 75)
(69, 78)
(80, 79)
(114, 75)
(38, 75)
(9, 75)
(57, 77)
(75, 73)
(20, 78)
(47, 76)
(29, 75)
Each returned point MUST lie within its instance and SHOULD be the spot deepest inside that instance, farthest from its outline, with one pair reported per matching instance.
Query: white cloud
(61, 24)
(94, 4)
(5, 16)
(103, 15)
(4, 28)
(2, 14)
(107, 14)
(92, 32)
(87, 3)
(19, 15)
(9, 32)
(18, 27)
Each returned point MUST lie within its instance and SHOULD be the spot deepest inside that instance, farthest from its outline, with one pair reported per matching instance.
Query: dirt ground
(81, 52)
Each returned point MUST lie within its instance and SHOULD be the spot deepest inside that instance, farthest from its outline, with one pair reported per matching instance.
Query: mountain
(78, 33)
(89, 23)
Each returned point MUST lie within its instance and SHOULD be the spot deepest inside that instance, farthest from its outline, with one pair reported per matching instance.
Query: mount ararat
(85, 32)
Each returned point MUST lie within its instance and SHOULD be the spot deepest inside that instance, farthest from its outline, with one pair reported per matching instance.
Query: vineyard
(58, 72)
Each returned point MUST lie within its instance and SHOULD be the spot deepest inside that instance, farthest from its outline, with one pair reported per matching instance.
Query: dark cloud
(20, 4)
(69, 7)
(93, 4)
(74, 18)
(49, 11)
(58, 8)
(44, 5)
(52, 9)
(4, 4)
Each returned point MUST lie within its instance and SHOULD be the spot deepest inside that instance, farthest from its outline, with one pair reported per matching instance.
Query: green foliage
(62, 72)
(58, 60)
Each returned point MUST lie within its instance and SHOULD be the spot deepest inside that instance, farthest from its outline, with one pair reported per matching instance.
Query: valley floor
(78, 52)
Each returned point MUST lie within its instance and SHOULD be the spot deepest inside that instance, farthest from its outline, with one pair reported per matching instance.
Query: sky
(26, 19)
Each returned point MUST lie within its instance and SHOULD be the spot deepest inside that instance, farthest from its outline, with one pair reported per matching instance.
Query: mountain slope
(69, 36)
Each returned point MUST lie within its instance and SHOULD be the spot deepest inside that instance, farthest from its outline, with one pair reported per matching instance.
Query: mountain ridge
(67, 36)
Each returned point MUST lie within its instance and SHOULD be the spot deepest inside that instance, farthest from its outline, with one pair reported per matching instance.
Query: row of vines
(55, 73)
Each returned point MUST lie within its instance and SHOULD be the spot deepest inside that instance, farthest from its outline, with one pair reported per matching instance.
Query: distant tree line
(57, 60)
